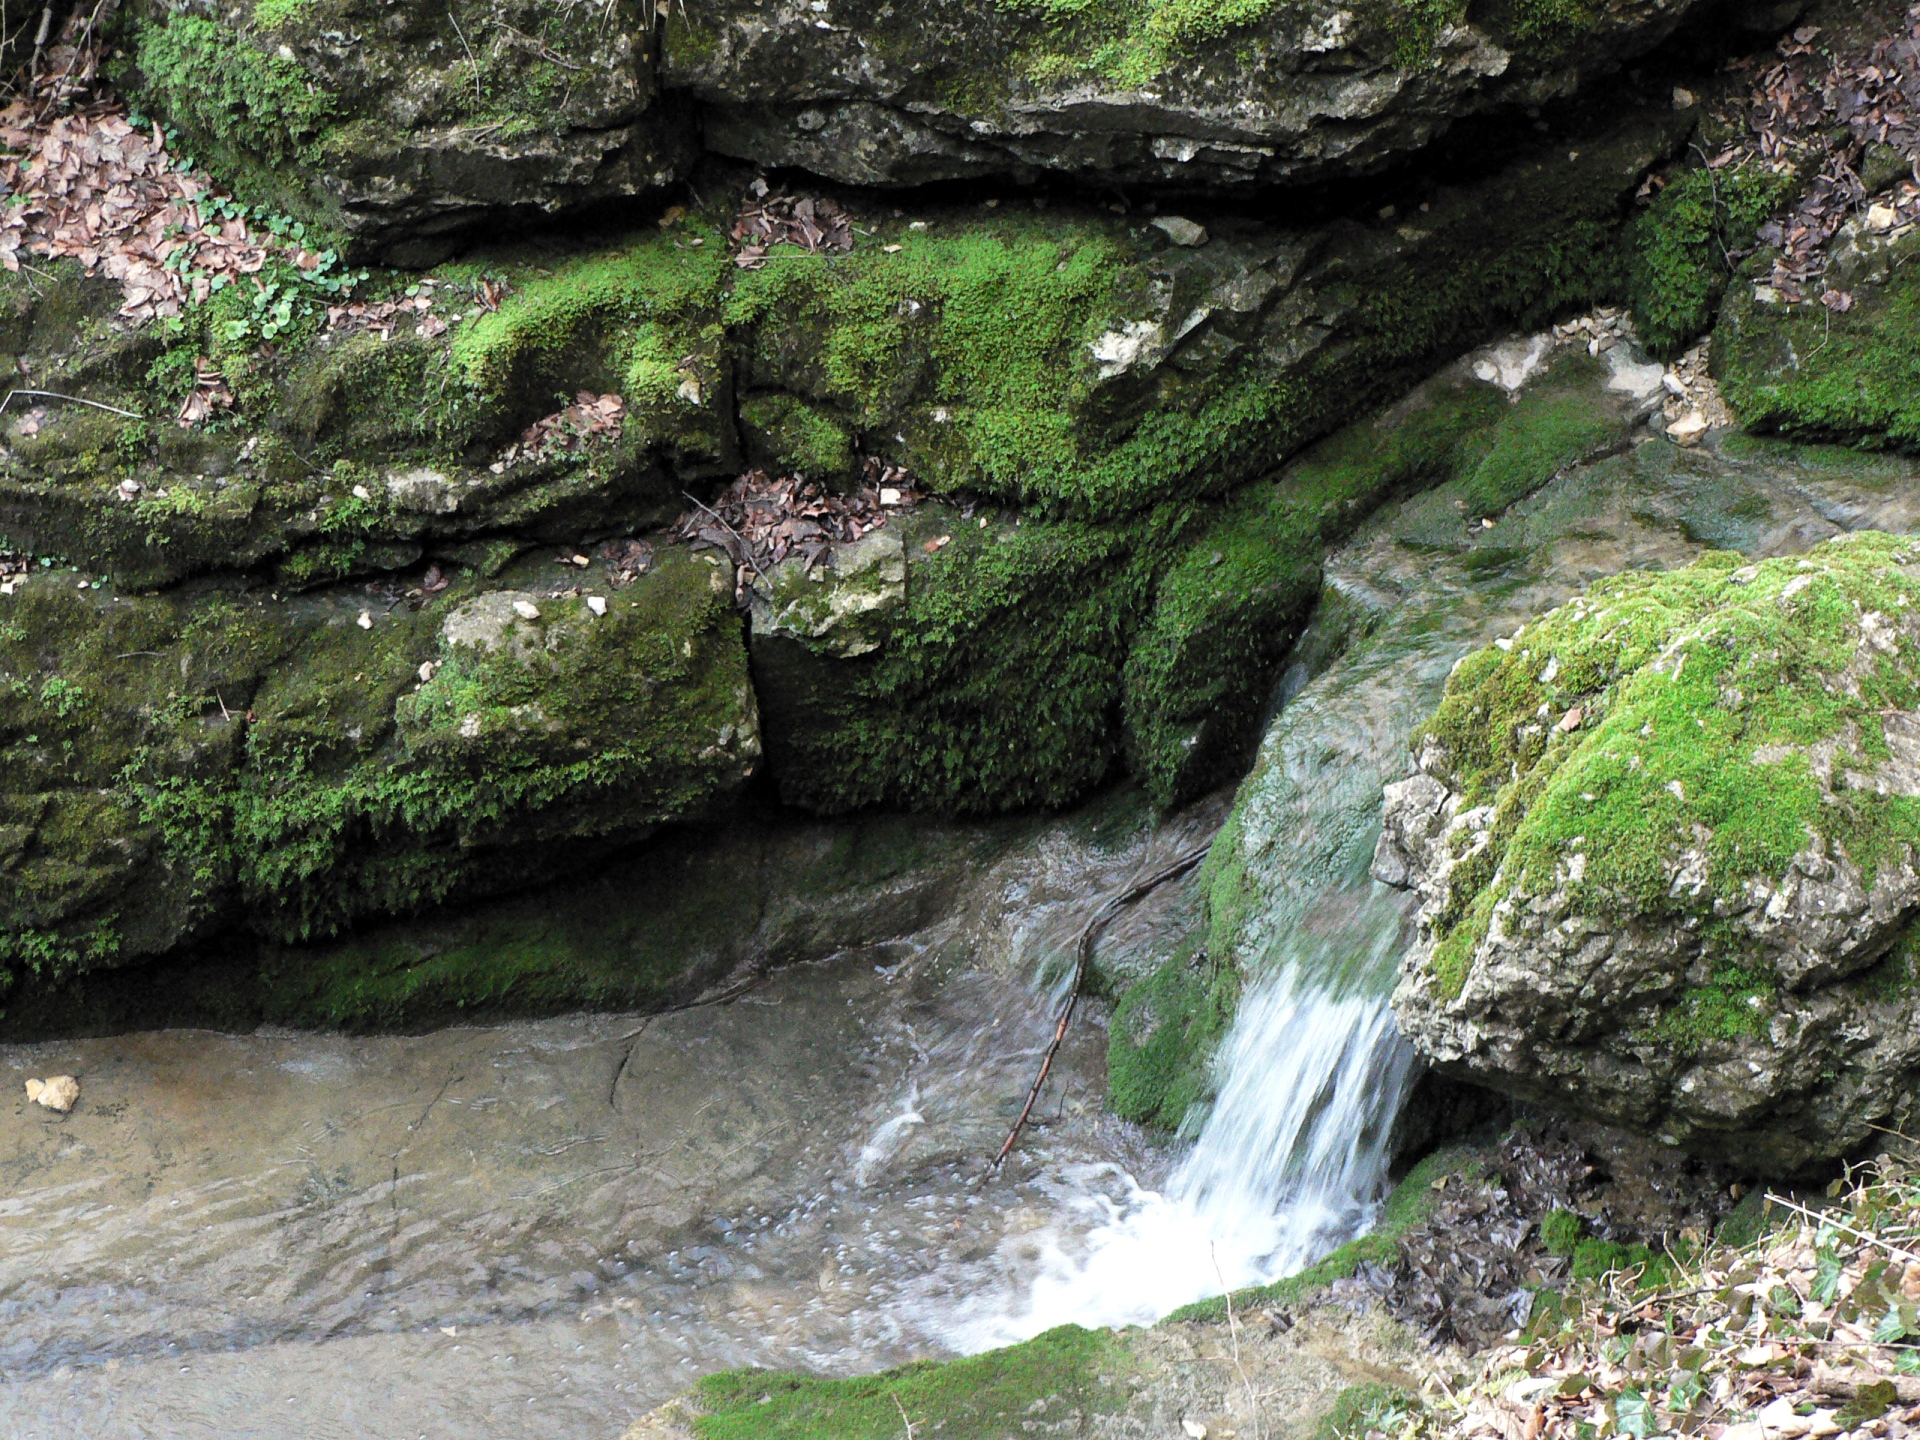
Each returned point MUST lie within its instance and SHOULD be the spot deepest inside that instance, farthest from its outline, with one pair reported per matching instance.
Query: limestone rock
(883, 92)
(1666, 842)
(407, 125)
(839, 609)
(56, 1092)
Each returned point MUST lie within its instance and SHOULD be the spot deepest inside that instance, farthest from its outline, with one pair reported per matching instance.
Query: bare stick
(745, 548)
(903, 1414)
(477, 101)
(71, 400)
(1083, 953)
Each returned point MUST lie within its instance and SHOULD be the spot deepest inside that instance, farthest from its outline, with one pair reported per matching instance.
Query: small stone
(360, 492)
(526, 609)
(580, 560)
(56, 1092)
(597, 604)
(890, 496)
(1688, 429)
(365, 622)
(131, 487)
(1570, 721)
(1683, 99)
(427, 667)
(1882, 217)
(1180, 230)
(1195, 1429)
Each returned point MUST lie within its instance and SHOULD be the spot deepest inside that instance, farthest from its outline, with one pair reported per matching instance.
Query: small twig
(903, 1413)
(632, 1037)
(131, 653)
(1083, 954)
(71, 399)
(540, 47)
(1818, 1218)
(745, 548)
(470, 60)
(1233, 1330)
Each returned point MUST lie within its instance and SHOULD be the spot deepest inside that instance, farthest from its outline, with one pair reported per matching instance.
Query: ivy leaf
(1826, 1276)
(1633, 1414)
(1890, 1330)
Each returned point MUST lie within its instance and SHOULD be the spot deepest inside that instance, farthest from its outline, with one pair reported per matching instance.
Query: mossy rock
(395, 130)
(1161, 1042)
(1189, 93)
(1667, 840)
(1806, 372)
(1069, 1373)
(178, 763)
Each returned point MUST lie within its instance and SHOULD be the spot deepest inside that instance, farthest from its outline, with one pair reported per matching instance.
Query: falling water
(1290, 1163)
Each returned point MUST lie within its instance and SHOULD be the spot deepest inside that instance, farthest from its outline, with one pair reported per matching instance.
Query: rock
(401, 763)
(842, 609)
(1666, 918)
(1689, 429)
(56, 1092)
(905, 94)
(404, 128)
(1180, 231)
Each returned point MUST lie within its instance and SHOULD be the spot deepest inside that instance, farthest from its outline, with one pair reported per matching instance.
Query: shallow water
(548, 1228)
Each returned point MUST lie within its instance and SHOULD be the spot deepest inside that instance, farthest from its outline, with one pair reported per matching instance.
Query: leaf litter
(761, 520)
(1810, 1332)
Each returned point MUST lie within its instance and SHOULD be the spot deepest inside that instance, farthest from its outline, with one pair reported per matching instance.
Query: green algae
(1162, 1039)
(1702, 694)
(1066, 1372)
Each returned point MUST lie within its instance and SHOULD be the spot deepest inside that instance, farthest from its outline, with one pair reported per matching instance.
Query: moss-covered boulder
(399, 127)
(1169, 92)
(1668, 844)
(173, 764)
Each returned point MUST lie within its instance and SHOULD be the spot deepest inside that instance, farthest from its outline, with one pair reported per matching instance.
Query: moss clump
(1411, 1204)
(1068, 1371)
(257, 114)
(178, 761)
(1561, 1231)
(1701, 696)
(1685, 245)
(1164, 1033)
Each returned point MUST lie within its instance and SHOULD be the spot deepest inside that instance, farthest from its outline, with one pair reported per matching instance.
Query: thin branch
(72, 400)
(1818, 1218)
(1083, 954)
(475, 64)
(745, 548)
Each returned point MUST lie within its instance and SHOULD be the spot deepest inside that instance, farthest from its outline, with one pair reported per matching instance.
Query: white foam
(1290, 1164)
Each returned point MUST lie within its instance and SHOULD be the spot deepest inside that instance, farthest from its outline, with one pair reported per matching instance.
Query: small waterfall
(1290, 1163)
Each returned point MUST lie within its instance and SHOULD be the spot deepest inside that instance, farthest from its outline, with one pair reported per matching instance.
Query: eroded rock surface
(1665, 840)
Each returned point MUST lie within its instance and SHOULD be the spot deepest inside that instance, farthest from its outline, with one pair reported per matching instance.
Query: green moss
(1595, 1259)
(1682, 245)
(1164, 1033)
(1550, 429)
(1065, 1372)
(786, 434)
(1411, 1204)
(1359, 1409)
(1701, 692)
(1803, 372)
(1561, 1231)
(256, 114)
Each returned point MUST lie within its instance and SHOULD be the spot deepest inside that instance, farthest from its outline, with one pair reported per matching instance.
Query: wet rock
(1662, 915)
(56, 1092)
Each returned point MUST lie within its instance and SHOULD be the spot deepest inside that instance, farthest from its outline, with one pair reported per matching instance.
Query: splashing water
(1291, 1162)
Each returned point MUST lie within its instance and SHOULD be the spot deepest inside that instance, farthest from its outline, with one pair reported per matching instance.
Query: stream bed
(547, 1228)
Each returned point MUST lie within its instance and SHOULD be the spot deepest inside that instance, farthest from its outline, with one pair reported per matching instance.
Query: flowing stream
(547, 1228)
